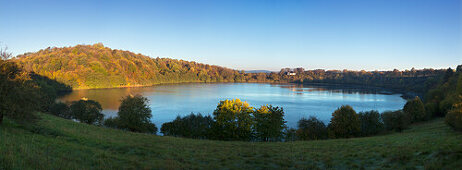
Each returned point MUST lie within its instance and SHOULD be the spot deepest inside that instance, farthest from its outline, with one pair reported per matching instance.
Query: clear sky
(326, 34)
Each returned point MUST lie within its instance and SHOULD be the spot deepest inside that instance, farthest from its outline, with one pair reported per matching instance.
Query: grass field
(55, 143)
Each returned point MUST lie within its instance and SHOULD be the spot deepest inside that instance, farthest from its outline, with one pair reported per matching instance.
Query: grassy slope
(62, 144)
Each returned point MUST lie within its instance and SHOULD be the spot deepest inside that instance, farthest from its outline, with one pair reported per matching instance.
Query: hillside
(96, 66)
(56, 143)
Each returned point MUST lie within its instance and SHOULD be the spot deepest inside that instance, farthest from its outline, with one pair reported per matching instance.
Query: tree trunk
(1, 117)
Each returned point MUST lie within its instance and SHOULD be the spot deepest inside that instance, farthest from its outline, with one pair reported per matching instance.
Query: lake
(169, 100)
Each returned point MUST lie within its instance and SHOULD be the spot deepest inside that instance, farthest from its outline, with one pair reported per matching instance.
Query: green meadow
(56, 143)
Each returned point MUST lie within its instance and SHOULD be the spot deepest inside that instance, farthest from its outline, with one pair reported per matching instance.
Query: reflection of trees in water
(348, 89)
(110, 98)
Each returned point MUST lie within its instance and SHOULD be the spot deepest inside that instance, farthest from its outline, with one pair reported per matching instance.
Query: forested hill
(96, 66)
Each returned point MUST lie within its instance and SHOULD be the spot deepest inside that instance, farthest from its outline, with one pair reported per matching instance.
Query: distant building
(291, 73)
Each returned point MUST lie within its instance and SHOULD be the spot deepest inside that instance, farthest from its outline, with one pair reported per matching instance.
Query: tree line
(236, 120)
(97, 66)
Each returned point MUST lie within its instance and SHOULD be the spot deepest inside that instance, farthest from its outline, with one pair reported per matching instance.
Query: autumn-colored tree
(233, 120)
(269, 123)
(18, 93)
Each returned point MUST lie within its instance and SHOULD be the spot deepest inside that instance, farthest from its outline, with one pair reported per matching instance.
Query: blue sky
(326, 34)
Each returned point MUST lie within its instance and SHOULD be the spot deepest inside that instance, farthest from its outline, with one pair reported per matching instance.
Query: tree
(61, 110)
(134, 115)
(18, 94)
(290, 134)
(344, 123)
(454, 116)
(371, 123)
(190, 126)
(87, 111)
(269, 123)
(233, 120)
(395, 120)
(311, 129)
(415, 109)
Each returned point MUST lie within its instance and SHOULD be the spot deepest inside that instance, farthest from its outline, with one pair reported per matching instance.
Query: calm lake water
(169, 100)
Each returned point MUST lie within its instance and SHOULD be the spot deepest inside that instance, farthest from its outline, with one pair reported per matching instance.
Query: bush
(454, 117)
(61, 110)
(432, 110)
(111, 122)
(87, 111)
(415, 109)
(447, 104)
(269, 123)
(134, 115)
(395, 120)
(191, 126)
(371, 123)
(344, 123)
(311, 129)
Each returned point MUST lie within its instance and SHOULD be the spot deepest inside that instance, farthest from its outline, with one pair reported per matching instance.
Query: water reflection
(170, 100)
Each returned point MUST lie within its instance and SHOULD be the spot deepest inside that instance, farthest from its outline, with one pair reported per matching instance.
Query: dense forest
(22, 93)
(97, 66)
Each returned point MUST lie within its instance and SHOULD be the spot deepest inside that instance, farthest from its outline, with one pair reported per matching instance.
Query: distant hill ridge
(97, 66)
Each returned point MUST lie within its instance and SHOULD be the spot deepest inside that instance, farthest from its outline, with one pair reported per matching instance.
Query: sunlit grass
(56, 143)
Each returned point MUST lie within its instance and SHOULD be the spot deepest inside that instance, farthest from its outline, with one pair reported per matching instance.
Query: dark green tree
(395, 120)
(371, 123)
(415, 109)
(18, 94)
(191, 126)
(454, 116)
(87, 111)
(134, 115)
(311, 129)
(61, 110)
(345, 123)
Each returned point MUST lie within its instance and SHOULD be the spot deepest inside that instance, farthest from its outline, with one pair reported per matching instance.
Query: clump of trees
(311, 129)
(269, 123)
(23, 93)
(370, 123)
(190, 126)
(232, 120)
(396, 120)
(444, 100)
(87, 111)
(134, 115)
(61, 110)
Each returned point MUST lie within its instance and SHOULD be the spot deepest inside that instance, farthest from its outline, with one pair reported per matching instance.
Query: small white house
(291, 73)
